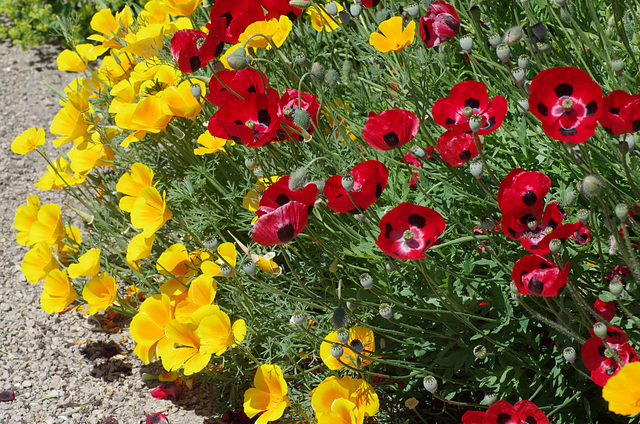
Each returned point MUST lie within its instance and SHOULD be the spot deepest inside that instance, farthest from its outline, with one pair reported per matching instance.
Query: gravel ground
(55, 365)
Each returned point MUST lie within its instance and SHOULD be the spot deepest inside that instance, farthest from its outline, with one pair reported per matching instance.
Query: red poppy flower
(473, 417)
(523, 412)
(290, 102)
(279, 194)
(521, 190)
(440, 24)
(607, 310)
(252, 121)
(408, 230)
(537, 275)
(581, 235)
(620, 113)
(527, 227)
(369, 181)
(390, 128)
(415, 162)
(456, 147)
(277, 8)
(243, 83)
(600, 362)
(369, 4)
(193, 49)
(619, 271)
(236, 16)
(156, 418)
(469, 98)
(562, 232)
(281, 225)
(568, 102)
(170, 391)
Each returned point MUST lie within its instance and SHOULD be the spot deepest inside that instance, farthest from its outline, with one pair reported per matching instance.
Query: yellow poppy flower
(361, 397)
(181, 7)
(361, 340)
(150, 211)
(89, 154)
(266, 263)
(111, 27)
(67, 248)
(70, 124)
(228, 255)
(25, 217)
(154, 12)
(100, 292)
(269, 395)
(28, 141)
(60, 176)
(139, 248)
(150, 114)
(131, 184)
(393, 37)
(202, 292)
(116, 66)
(58, 292)
(147, 42)
(189, 353)
(210, 144)
(75, 60)
(88, 265)
(38, 262)
(321, 20)
(49, 227)
(215, 329)
(176, 261)
(622, 390)
(147, 327)
(180, 100)
(275, 30)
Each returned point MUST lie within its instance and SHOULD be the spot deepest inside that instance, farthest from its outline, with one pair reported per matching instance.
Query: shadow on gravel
(106, 364)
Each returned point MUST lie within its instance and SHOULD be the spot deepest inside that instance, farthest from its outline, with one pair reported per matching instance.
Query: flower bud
(226, 270)
(476, 169)
(480, 352)
(331, 78)
(317, 72)
(347, 66)
(518, 75)
(570, 197)
(318, 183)
(388, 265)
(617, 65)
(385, 310)
(523, 61)
(301, 59)
(494, 39)
(336, 350)
(583, 216)
(569, 354)
(600, 330)
(340, 318)
(343, 335)
(302, 118)
(355, 9)
(490, 398)
(196, 91)
(298, 317)
(513, 35)
(539, 31)
(366, 281)
(331, 8)
(250, 161)
(504, 52)
(475, 122)
(475, 12)
(238, 59)
(430, 383)
(616, 287)
(622, 211)
(298, 178)
(627, 143)
(466, 43)
(382, 15)
(351, 306)
(413, 9)
(523, 106)
(211, 243)
(249, 267)
(590, 186)
(555, 245)
(347, 182)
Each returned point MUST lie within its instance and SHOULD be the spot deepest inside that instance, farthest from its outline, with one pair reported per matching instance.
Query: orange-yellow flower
(70, 123)
(112, 27)
(180, 100)
(269, 395)
(228, 255)
(215, 329)
(131, 184)
(88, 265)
(58, 292)
(181, 7)
(344, 400)
(276, 30)
(189, 351)
(38, 262)
(28, 141)
(75, 60)
(147, 327)
(321, 20)
(100, 292)
(175, 260)
(362, 344)
(210, 144)
(139, 248)
(25, 217)
(150, 211)
(202, 292)
(60, 176)
(622, 390)
(393, 37)
(90, 153)
(49, 227)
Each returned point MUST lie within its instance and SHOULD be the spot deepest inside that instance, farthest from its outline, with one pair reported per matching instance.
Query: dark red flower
(369, 4)
(522, 190)
(619, 271)
(529, 229)
(537, 275)
(236, 16)
(600, 361)
(390, 128)
(190, 49)
(243, 83)
(292, 100)
(7, 395)
(369, 181)
(236, 417)
(252, 121)
(279, 194)
(440, 24)
(581, 235)
(469, 98)
(156, 418)
(562, 232)
(408, 230)
(456, 148)
(620, 113)
(523, 412)
(415, 162)
(280, 225)
(277, 8)
(607, 310)
(473, 417)
(568, 102)
(169, 391)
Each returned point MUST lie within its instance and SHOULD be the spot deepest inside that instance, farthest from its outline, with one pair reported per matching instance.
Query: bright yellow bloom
(150, 211)
(228, 255)
(181, 7)
(70, 123)
(210, 144)
(202, 292)
(60, 176)
(100, 292)
(28, 141)
(393, 37)
(67, 248)
(88, 265)
(25, 217)
(251, 200)
(115, 67)
(154, 12)
(38, 262)
(275, 30)
(321, 20)
(176, 261)
(358, 336)
(75, 60)
(131, 184)
(268, 396)
(344, 400)
(147, 42)
(150, 114)
(215, 329)
(58, 292)
(89, 154)
(147, 327)
(266, 263)
(49, 227)
(139, 248)
(180, 100)
(622, 390)
(189, 353)
(112, 27)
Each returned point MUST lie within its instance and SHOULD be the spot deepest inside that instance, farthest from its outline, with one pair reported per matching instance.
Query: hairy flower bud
(302, 118)
(513, 35)
(590, 186)
(298, 178)
(331, 78)
(340, 318)
(238, 59)
(317, 72)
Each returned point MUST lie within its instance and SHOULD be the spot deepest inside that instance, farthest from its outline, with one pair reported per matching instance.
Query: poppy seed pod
(211, 243)
(317, 72)
(430, 383)
(413, 9)
(385, 311)
(258, 172)
(622, 211)
(627, 143)
(336, 350)
(249, 267)
(523, 106)
(226, 270)
(355, 9)
(366, 281)
(301, 59)
(539, 31)
(418, 151)
(518, 75)
(250, 161)
(617, 65)
(297, 317)
(616, 287)
(555, 245)
(298, 178)
(331, 78)
(238, 59)
(302, 4)
(490, 398)
(466, 43)
(476, 169)
(331, 8)
(569, 354)
(340, 318)
(583, 216)
(347, 182)
(388, 265)
(351, 306)
(523, 61)
(504, 52)
(343, 335)
(494, 39)
(480, 352)
(196, 91)
(600, 330)
(475, 122)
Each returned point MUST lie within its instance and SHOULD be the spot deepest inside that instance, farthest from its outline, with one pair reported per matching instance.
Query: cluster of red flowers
(502, 412)
(604, 357)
